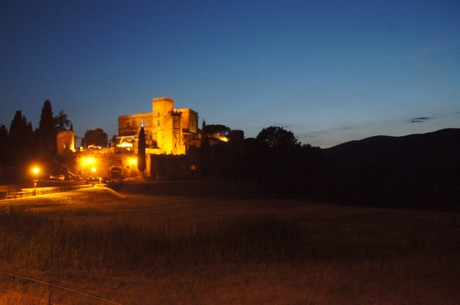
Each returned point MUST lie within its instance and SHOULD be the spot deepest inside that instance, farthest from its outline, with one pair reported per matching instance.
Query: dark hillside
(414, 171)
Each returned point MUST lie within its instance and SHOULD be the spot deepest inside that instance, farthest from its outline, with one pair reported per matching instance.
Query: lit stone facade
(65, 141)
(167, 130)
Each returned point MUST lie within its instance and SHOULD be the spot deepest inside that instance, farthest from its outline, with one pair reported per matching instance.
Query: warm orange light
(35, 170)
(89, 160)
(93, 169)
(133, 161)
(224, 139)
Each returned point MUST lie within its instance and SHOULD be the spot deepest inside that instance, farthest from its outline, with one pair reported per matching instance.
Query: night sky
(329, 71)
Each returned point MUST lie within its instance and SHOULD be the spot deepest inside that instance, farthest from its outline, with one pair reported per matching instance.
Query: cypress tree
(46, 130)
(141, 151)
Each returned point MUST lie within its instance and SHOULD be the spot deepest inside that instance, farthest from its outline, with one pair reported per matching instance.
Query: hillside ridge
(417, 170)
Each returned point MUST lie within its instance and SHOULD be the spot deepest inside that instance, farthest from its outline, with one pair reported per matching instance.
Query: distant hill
(416, 171)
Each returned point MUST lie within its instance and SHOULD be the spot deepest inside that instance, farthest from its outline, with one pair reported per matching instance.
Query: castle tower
(167, 125)
(161, 106)
(65, 141)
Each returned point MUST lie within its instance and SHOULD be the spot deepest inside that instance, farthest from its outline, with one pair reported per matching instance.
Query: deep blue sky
(330, 71)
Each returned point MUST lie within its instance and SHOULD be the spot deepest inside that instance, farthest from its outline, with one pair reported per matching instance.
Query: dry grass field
(156, 249)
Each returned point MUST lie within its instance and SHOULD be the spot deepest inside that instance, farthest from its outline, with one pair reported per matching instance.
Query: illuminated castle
(167, 130)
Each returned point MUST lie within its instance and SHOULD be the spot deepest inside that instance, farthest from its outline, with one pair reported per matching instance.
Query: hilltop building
(172, 142)
(167, 130)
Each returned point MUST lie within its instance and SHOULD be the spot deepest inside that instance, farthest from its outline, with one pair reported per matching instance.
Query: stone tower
(167, 124)
(65, 141)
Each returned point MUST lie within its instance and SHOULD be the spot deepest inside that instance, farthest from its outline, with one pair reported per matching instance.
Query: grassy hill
(155, 249)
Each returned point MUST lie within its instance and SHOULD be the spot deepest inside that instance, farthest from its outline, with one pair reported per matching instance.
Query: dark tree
(21, 138)
(18, 128)
(204, 149)
(4, 146)
(46, 130)
(62, 122)
(113, 141)
(275, 137)
(141, 151)
(96, 137)
(215, 128)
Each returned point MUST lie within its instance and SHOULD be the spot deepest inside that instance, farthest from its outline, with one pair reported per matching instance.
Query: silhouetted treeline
(275, 160)
(20, 145)
(412, 172)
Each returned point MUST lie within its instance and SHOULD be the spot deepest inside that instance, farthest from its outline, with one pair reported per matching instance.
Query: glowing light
(223, 139)
(89, 160)
(133, 161)
(125, 145)
(35, 170)
(93, 169)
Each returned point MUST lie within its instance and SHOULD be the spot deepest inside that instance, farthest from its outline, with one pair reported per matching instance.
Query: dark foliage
(411, 172)
(4, 144)
(96, 137)
(215, 128)
(46, 130)
(21, 144)
(274, 136)
(275, 160)
(67, 162)
(141, 151)
(62, 122)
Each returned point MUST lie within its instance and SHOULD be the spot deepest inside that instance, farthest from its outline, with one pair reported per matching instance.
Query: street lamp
(35, 172)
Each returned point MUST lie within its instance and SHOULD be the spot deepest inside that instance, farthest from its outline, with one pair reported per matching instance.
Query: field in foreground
(138, 249)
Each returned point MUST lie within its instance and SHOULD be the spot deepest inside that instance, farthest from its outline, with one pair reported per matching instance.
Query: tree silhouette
(141, 151)
(215, 128)
(274, 137)
(96, 137)
(62, 122)
(204, 149)
(46, 130)
(21, 138)
(4, 146)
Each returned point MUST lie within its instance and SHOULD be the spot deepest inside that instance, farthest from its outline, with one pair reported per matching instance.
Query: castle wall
(131, 124)
(171, 129)
(189, 120)
(65, 141)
